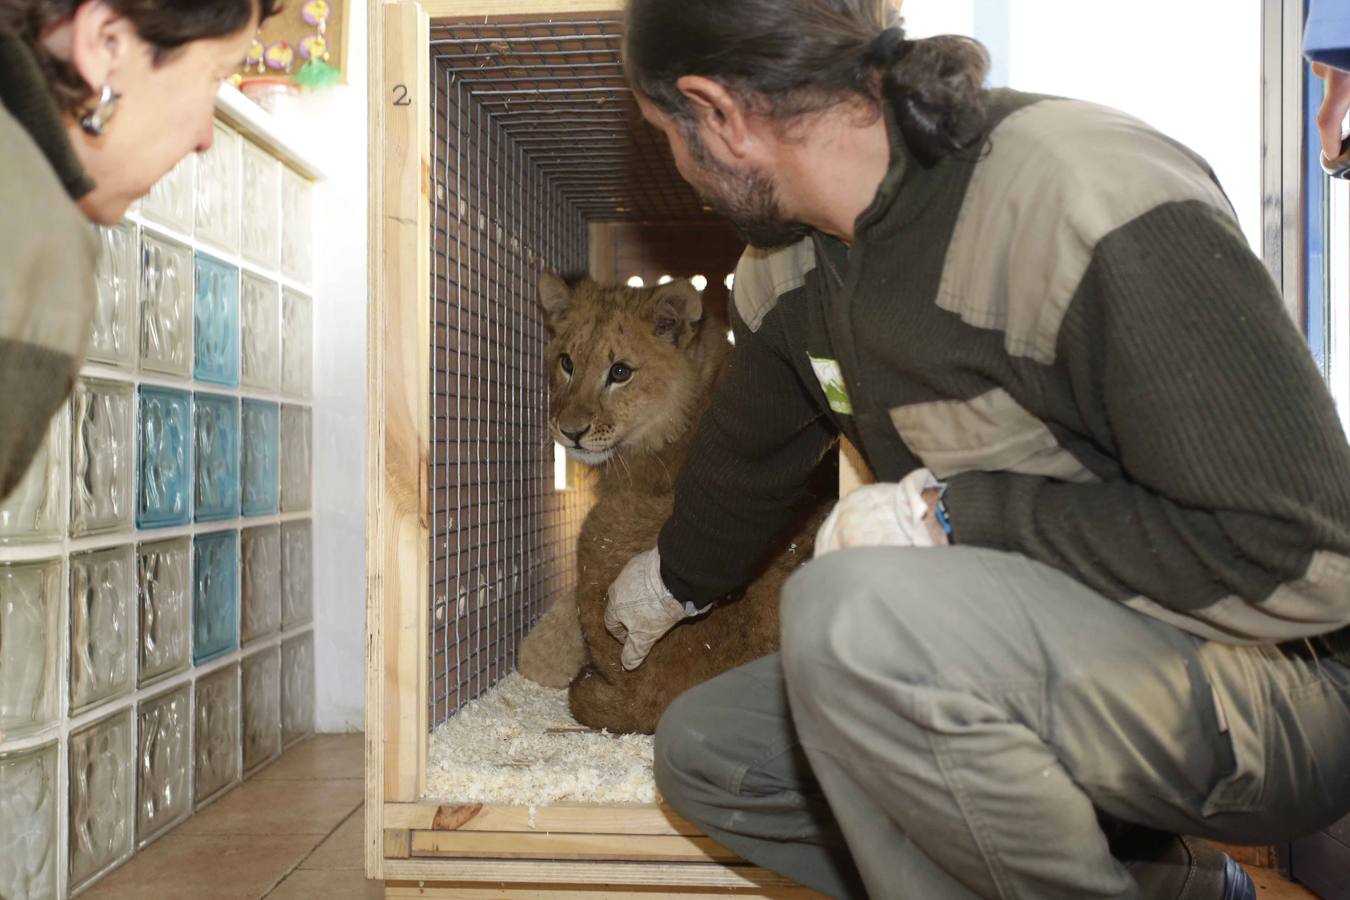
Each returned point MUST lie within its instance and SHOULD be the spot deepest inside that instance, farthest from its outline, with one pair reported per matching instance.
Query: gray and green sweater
(1070, 330)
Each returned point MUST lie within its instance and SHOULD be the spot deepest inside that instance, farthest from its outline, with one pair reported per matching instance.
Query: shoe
(1237, 884)
(1171, 867)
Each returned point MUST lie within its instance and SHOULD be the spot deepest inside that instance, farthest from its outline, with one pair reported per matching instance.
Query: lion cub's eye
(566, 362)
(619, 373)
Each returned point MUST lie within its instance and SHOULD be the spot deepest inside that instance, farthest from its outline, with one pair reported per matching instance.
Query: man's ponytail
(936, 88)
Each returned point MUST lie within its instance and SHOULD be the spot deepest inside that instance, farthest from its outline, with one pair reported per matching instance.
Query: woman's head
(788, 58)
(163, 59)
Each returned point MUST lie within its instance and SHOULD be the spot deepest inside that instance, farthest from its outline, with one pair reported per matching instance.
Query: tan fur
(642, 430)
(553, 652)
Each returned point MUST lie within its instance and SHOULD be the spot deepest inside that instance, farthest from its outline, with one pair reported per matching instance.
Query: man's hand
(888, 514)
(1334, 108)
(640, 609)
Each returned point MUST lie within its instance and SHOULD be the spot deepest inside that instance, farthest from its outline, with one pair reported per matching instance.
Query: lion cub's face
(622, 365)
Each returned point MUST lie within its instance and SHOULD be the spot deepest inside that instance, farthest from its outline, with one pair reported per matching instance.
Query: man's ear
(721, 118)
(677, 309)
(554, 297)
(96, 40)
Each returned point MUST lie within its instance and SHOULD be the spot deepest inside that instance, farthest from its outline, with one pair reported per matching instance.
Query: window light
(559, 467)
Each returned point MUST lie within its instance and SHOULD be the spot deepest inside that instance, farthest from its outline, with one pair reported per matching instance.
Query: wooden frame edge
(374, 660)
(399, 398)
(670, 875)
(562, 818)
(447, 890)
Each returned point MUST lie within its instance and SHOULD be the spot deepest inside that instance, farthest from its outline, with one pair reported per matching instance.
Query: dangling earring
(98, 118)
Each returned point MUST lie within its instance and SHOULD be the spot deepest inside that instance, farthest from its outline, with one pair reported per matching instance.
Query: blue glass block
(216, 422)
(164, 445)
(260, 449)
(215, 595)
(217, 322)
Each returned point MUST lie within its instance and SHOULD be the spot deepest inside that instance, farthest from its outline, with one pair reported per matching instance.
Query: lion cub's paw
(554, 652)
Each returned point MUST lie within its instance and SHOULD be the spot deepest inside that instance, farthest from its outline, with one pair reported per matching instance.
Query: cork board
(290, 26)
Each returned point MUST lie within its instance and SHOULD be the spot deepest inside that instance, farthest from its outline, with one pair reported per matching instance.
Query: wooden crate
(422, 849)
(566, 850)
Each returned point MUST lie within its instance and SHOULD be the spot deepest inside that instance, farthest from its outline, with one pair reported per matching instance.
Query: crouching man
(1099, 597)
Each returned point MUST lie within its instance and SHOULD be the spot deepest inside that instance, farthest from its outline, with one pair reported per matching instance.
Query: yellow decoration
(314, 47)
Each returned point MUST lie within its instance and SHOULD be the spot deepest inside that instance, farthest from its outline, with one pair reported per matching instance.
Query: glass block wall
(156, 641)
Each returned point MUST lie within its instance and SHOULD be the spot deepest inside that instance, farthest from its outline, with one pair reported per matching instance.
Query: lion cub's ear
(677, 308)
(555, 297)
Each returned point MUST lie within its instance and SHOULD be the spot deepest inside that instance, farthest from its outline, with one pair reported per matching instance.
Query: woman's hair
(164, 24)
(786, 58)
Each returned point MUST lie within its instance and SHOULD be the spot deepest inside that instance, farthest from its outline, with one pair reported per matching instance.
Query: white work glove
(887, 514)
(640, 609)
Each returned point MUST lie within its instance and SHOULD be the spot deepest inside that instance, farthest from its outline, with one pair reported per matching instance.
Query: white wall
(335, 121)
(1190, 68)
(925, 18)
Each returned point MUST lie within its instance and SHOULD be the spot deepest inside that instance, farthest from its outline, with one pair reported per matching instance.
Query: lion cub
(632, 371)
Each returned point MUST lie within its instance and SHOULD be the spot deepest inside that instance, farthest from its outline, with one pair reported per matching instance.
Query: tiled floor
(294, 832)
(291, 832)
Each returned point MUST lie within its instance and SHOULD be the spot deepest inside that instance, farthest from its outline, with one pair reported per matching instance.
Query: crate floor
(518, 745)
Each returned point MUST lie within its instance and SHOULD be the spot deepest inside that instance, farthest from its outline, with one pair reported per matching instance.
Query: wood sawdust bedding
(518, 745)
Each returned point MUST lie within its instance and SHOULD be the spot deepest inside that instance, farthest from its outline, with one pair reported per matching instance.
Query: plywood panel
(602, 250)
(853, 470)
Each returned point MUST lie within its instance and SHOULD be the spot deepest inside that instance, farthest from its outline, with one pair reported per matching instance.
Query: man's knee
(688, 750)
(672, 753)
(859, 614)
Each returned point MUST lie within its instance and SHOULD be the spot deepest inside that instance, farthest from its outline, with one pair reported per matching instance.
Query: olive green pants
(952, 723)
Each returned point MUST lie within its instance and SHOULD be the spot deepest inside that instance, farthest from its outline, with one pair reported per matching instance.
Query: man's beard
(749, 200)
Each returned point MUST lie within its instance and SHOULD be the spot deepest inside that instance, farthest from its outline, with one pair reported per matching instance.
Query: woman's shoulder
(48, 250)
(36, 206)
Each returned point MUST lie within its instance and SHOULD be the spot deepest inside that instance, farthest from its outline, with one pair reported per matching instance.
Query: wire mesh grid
(535, 134)
(557, 89)
(502, 538)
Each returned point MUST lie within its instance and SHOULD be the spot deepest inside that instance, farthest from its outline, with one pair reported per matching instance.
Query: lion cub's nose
(575, 434)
